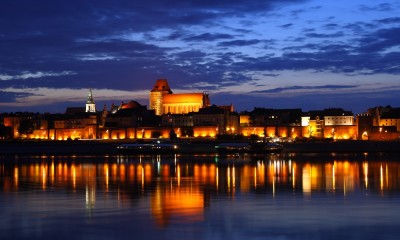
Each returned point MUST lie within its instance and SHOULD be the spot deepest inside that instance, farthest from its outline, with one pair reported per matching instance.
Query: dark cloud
(380, 40)
(9, 97)
(384, 7)
(324, 35)
(392, 20)
(209, 37)
(239, 43)
(286, 25)
(128, 44)
(331, 26)
(279, 90)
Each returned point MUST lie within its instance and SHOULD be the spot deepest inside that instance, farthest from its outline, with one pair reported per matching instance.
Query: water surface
(200, 197)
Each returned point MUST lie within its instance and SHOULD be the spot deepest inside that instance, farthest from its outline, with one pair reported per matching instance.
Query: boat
(235, 147)
(156, 147)
(269, 147)
(245, 147)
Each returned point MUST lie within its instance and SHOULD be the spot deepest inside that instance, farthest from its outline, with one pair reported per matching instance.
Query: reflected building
(181, 191)
(184, 202)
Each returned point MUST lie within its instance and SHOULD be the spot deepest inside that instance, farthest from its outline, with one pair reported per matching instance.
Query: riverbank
(103, 147)
(345, 146)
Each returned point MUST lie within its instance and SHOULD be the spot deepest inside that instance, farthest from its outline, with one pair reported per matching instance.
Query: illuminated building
(391, 118)
(379, 123)
(271, 123)
(16, 122)
(90, 104)
(334, 123)
(76, 125)
(163, 101)
(123, 121)
(207, 122)
(160, 89)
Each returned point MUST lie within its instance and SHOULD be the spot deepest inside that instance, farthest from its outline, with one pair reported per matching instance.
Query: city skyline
(307, 54)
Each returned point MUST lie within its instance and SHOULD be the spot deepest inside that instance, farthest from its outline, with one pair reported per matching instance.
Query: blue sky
(308, 54)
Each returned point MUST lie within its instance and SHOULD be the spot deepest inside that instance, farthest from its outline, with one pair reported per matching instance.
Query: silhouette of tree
(26, 126)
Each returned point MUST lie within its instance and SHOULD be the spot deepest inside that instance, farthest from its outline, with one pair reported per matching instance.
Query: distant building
(391, 118)
(271, 123)
(90, 104)
(329, 123)
(164, 101)
(125, 120)
(207, 122)
(379, 123)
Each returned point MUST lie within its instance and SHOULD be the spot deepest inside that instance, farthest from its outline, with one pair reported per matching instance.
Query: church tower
(90, 105)
(156, 95)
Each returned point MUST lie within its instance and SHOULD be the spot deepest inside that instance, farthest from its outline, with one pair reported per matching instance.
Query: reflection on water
(175, 190)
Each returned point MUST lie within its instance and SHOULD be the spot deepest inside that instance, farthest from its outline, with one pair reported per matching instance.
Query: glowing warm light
(16, 176)
(106, 173)
(381, 176)
(44, 177)
(185, 202)
(365, 172)
(228, 177)
(73, 173)
(306, 179)
(216, 177)
(294, 175)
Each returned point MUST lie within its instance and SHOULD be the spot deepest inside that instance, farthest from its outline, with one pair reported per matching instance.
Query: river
(289, 196)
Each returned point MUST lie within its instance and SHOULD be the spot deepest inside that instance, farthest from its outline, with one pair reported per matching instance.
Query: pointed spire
(90, 97)
(90, 104)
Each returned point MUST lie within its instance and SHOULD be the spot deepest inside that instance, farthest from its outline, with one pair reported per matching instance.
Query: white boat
(245, 147)
(155, 147)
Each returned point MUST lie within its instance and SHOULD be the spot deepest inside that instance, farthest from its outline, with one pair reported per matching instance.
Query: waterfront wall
(207, 147)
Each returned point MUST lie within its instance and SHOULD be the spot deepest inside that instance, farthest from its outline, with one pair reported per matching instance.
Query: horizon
(307, 54)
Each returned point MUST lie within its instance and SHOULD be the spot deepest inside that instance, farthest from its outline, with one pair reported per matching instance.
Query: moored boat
(245, 147)
(156, 147)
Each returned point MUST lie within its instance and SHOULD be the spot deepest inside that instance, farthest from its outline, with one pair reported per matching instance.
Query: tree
(5, 132)
(26, 127)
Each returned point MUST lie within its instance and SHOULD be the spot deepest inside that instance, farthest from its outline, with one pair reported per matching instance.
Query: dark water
(200, 197)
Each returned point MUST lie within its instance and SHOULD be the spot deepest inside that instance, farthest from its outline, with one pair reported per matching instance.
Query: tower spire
(90, 104)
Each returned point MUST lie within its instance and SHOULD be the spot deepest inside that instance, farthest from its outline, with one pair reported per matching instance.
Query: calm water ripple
(200, 197)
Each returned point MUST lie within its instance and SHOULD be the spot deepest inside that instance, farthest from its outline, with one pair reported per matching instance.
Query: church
(164, 101)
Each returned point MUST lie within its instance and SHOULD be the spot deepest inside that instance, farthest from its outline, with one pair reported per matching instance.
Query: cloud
(392, 20)
(308, 88)
(288, 25)
(380, 40)
(7, 97)
(27, 75)
(239, 43)
(41, 96)
(324, 35)
(209, 37)
(197, 44)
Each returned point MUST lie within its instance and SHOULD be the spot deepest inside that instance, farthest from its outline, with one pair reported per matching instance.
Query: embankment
(110, 147)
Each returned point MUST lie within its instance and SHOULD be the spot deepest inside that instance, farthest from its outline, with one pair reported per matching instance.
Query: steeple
(90, 104)
(160, 89)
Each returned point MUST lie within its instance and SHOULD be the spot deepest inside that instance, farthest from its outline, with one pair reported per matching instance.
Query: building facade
(163, 101)
(90, 104)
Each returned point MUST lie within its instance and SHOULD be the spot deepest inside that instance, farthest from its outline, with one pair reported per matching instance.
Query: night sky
(309, 54)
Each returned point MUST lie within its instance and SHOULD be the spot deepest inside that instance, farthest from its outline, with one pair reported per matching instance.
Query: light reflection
(333, 176)
(365, 172)
(294, 175)
(306, 179)
(381, 176)
(44, 177)
(107, 178)
(16, 177)
(73, 171)
(143, 177)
